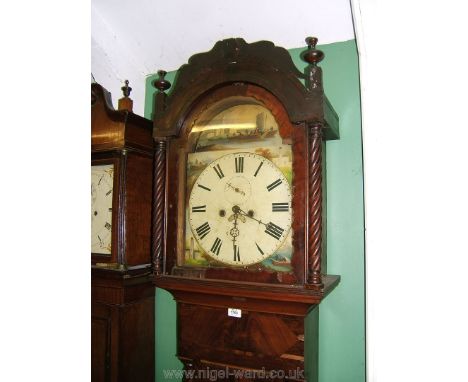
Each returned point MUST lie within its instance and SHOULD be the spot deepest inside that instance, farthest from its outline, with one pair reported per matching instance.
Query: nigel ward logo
(227, 374)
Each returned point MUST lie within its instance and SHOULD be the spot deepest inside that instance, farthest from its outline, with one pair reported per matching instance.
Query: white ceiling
(132, 39)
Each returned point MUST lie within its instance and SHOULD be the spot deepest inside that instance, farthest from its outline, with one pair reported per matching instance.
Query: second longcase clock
(122, 294)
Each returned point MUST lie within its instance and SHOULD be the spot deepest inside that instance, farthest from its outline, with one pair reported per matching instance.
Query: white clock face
(102, 181)
(240, 209)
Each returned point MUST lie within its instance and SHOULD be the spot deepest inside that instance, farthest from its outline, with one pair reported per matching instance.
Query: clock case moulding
(306, 118)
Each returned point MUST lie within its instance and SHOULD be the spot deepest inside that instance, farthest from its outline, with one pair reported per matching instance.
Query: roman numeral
(259, 249)
(203, 230)
(205, 188)
(258, 168)
(273, 185)
(274, 231)
(216, 247)
(109, 192)
(279, 207)
(236, 253)
(219, 172)
(199, 209)
(239, 164)
(108, 226)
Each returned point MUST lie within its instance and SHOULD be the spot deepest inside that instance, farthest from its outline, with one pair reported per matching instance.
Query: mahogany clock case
(122, 292)
(270, 332)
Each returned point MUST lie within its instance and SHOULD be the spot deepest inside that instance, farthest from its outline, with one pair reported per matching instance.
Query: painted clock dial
(240, 209)
(102, 180)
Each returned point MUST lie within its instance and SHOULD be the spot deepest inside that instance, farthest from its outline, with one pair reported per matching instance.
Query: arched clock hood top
(233, 60)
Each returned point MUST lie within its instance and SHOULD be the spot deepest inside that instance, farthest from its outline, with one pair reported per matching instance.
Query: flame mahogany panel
(254, 341)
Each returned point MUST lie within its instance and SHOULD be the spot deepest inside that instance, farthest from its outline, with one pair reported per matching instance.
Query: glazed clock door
(104, 209)
(234, 190)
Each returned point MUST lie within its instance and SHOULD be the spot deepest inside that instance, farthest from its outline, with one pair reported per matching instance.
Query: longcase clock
(122, 300)
(239, 207)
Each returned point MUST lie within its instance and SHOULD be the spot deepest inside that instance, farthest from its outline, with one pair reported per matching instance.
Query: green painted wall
(341, 317)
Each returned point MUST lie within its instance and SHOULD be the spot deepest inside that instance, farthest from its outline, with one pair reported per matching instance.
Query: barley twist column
(313, 81)
(159, 178)
(315, 205)
(159, 197)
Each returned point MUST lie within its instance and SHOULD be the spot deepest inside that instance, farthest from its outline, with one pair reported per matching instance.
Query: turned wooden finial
(312, 55)
(160, 97)
(313, 72)
(126, 103)
(161, 83)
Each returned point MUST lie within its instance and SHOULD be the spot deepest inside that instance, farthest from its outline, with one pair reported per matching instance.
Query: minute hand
(242, 212)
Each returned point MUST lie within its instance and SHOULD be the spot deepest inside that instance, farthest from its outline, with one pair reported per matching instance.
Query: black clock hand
(243, 213)
(234, 231)
(271, 229)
